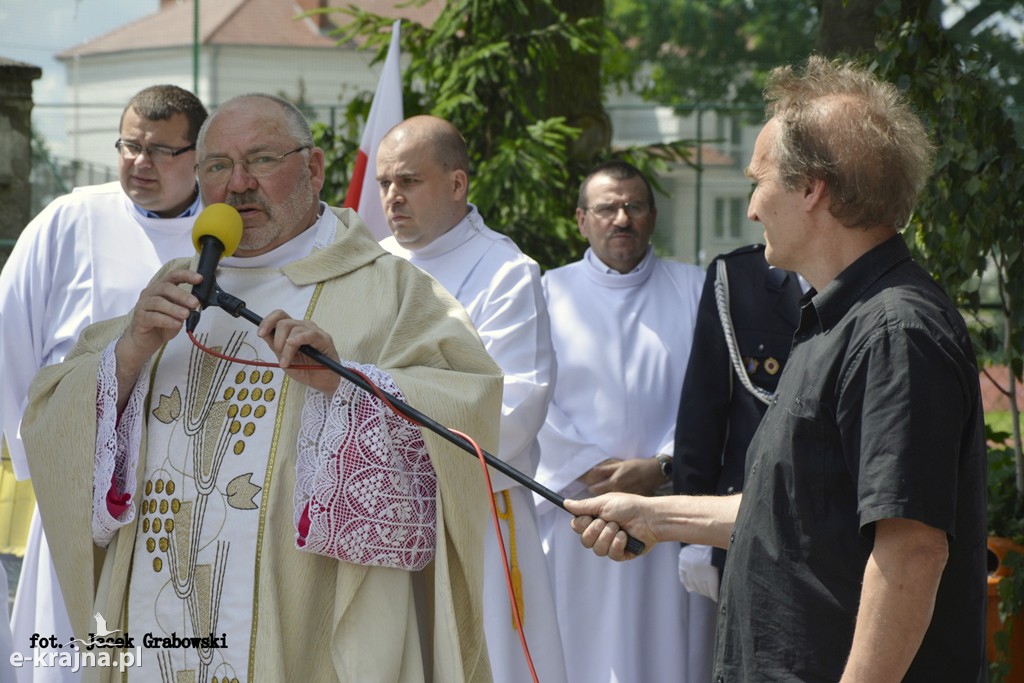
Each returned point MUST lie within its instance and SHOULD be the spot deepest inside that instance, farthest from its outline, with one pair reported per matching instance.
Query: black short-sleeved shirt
(878, 416)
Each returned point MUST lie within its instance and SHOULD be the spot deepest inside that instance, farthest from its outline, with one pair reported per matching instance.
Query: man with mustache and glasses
(282, 523)
(622, 323)
(84, 258)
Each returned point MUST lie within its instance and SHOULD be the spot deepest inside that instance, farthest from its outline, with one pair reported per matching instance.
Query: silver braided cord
(722, 301)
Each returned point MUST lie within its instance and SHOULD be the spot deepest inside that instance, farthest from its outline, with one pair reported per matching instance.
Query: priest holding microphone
(254, 495)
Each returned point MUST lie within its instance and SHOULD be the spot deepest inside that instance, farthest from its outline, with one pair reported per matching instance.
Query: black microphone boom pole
(236, 307)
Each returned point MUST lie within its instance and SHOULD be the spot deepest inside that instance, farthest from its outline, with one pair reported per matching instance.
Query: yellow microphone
(216, 233)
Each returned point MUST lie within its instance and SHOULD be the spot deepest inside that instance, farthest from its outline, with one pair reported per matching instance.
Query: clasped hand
(641, 476)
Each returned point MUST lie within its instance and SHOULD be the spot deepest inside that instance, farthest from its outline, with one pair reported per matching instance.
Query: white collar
(600, 273)
(462, 231)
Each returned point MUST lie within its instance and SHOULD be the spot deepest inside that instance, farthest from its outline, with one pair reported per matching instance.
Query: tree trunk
(574, 91)
(847, 27)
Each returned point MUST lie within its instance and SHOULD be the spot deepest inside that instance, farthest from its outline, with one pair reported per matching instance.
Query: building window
(729, 218)
(729, 130)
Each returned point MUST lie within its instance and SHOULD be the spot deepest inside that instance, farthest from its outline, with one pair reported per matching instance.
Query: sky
(33, 31)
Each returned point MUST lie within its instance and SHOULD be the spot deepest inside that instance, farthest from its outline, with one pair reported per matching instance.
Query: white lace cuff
(117, 448)
(365, 491)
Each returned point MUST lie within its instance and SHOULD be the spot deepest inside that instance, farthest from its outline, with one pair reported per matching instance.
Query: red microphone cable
(504, 556)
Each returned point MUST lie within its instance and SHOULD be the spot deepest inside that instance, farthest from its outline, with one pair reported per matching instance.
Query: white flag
(385, 113)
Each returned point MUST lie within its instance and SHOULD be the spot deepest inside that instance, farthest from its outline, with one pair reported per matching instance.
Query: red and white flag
(385, 113)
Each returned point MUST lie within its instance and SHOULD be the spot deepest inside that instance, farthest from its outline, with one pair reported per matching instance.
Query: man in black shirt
(857, 549)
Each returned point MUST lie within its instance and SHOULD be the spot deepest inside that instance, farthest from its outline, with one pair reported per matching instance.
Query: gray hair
(295, 121)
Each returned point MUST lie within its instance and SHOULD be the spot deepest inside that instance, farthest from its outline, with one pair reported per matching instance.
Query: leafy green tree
(684, 51)
(522, 81)
(994, 26)
(503, 72)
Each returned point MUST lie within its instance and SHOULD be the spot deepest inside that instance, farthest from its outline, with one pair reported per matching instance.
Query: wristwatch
(666, 465)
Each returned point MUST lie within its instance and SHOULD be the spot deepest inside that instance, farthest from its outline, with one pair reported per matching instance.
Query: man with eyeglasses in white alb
(82, 259)
(622, 324)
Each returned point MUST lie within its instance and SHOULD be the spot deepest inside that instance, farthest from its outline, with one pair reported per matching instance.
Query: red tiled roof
(239, 22)
(713, 157)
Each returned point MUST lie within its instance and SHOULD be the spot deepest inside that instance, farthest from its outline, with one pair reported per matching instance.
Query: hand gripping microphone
(216, 233)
